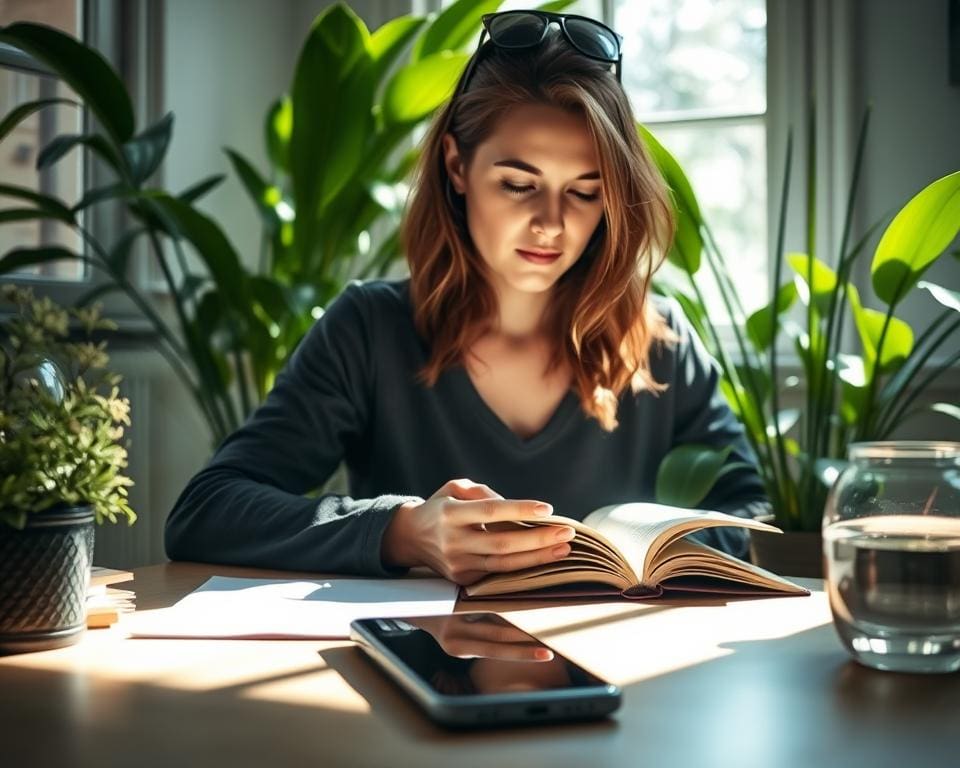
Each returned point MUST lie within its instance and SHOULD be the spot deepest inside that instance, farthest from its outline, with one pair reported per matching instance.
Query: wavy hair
(599, 316)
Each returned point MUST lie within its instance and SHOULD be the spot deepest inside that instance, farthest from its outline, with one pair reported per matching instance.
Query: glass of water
(891, 544)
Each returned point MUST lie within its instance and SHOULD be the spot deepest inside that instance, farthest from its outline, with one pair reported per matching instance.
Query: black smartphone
(477, 669)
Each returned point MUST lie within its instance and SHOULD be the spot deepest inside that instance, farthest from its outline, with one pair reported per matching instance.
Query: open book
(638, 551)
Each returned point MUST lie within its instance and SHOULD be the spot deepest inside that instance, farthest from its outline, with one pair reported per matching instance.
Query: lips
(538, 256)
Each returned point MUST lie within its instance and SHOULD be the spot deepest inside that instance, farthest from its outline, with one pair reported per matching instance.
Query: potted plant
(857, 393)
(61, 422)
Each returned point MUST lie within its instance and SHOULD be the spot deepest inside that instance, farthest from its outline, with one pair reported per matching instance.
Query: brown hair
(604, 326)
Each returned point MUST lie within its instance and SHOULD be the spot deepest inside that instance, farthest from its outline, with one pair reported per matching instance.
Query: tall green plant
(334, 182)
(858, 394)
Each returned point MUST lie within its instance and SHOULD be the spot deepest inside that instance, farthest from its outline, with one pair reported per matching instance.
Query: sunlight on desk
(643, 641)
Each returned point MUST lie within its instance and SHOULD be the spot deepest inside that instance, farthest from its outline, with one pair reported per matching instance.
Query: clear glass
(891, 542)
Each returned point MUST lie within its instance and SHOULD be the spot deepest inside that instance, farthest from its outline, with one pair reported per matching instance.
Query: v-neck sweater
(350, 393)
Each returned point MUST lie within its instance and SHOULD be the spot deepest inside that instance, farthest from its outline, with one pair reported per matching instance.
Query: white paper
(226, 607)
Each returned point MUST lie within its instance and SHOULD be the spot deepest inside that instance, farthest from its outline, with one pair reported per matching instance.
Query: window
(21, 81)
(695, 71)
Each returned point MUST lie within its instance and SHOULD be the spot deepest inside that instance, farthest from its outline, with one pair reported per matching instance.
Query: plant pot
(792, 553)
(44, 575)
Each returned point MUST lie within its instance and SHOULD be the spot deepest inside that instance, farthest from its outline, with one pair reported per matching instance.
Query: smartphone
(477, 669)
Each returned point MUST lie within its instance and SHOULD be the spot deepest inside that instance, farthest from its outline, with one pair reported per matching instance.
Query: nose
(548, 218)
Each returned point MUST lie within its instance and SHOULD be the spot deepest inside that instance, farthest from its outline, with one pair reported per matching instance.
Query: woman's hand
(448, 534)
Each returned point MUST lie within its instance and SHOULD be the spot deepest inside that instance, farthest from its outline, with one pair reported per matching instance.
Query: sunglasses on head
(525, 29)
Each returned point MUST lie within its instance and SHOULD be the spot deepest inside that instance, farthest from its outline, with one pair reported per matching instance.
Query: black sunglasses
(526, 29)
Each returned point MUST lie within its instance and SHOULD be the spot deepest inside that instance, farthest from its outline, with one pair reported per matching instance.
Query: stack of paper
(279, 608)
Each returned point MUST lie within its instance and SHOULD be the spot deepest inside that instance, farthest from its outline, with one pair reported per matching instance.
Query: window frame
(130, 37)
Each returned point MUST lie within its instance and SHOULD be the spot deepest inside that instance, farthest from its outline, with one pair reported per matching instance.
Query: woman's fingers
(527, 540)
(516, 560)
(474, 512)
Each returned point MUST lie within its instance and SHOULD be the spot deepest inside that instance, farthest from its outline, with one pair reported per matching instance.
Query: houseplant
(330, 201)
(859, 393)
(61, 462)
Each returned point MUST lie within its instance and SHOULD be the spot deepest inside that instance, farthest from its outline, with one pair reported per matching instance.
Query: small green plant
(61, 415)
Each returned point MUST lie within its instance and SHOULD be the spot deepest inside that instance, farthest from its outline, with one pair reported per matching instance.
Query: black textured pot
(792, 553)
(44, 573)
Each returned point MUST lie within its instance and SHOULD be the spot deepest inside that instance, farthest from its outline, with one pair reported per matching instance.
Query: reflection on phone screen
(479, 653)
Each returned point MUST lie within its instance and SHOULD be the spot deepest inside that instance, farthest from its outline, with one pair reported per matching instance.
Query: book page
(688, 559)
(643, 530)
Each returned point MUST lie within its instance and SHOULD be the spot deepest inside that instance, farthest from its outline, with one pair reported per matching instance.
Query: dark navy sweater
(350, 393)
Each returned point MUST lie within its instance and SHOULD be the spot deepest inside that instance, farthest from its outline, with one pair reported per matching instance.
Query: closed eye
(513, 189)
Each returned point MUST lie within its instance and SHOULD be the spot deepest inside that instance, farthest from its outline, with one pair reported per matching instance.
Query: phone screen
(478, 653)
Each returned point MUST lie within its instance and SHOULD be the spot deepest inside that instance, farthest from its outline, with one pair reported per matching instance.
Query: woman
(523, 368)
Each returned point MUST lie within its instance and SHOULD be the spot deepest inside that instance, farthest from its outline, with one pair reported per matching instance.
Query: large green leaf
(673, 174)
(453, 28)
(918, 234)
(19, 258)
(418, 89)
(824, 280)
(59, 146)
(183, 220)
(277, 129)
(11, 215)
(20, 113)
(257, 187)
(332, 100)
(688, 472)
(82, 68)
(388, 42)
(46, 203)
(949, 299)
(687, 246)
(763, 324)
(897, 341)
(145, 152)
(195, 191)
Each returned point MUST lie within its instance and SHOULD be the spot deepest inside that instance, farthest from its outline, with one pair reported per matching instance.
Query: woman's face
(532, 196)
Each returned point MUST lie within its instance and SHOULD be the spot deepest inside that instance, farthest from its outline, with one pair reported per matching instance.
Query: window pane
(62, 14)
(726, 164)
(20, 148)
(694, 56)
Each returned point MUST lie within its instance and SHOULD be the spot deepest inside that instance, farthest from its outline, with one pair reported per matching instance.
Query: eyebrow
(522, 166)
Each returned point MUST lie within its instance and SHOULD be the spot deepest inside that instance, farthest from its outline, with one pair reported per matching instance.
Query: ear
(454, 164)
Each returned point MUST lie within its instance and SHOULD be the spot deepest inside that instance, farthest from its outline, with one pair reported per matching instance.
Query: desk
(760, 683)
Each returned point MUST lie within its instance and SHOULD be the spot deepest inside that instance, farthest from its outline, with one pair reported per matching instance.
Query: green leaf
(687, 246)
(556, 6)
(145, 152)
(763, 324)
(210, 243)
(119, 255)
(918, 234)
(50, 205)
(947, 409)
(418, 89)
(19, 258)
(388, 42)
(194, 192)
(824, 280)
(897, 342)
(277, 130)
(332, 100)
(59, 147)
(95, 293)
(106, 192)
(688, 472)
(9, 215)
(949, 299)
(22, 112)
(673, 175)
(255, 185)
(84, 69)
(453, 28)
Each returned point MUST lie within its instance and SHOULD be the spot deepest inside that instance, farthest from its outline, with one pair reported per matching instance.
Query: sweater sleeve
(702, 416)
(247, 506)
